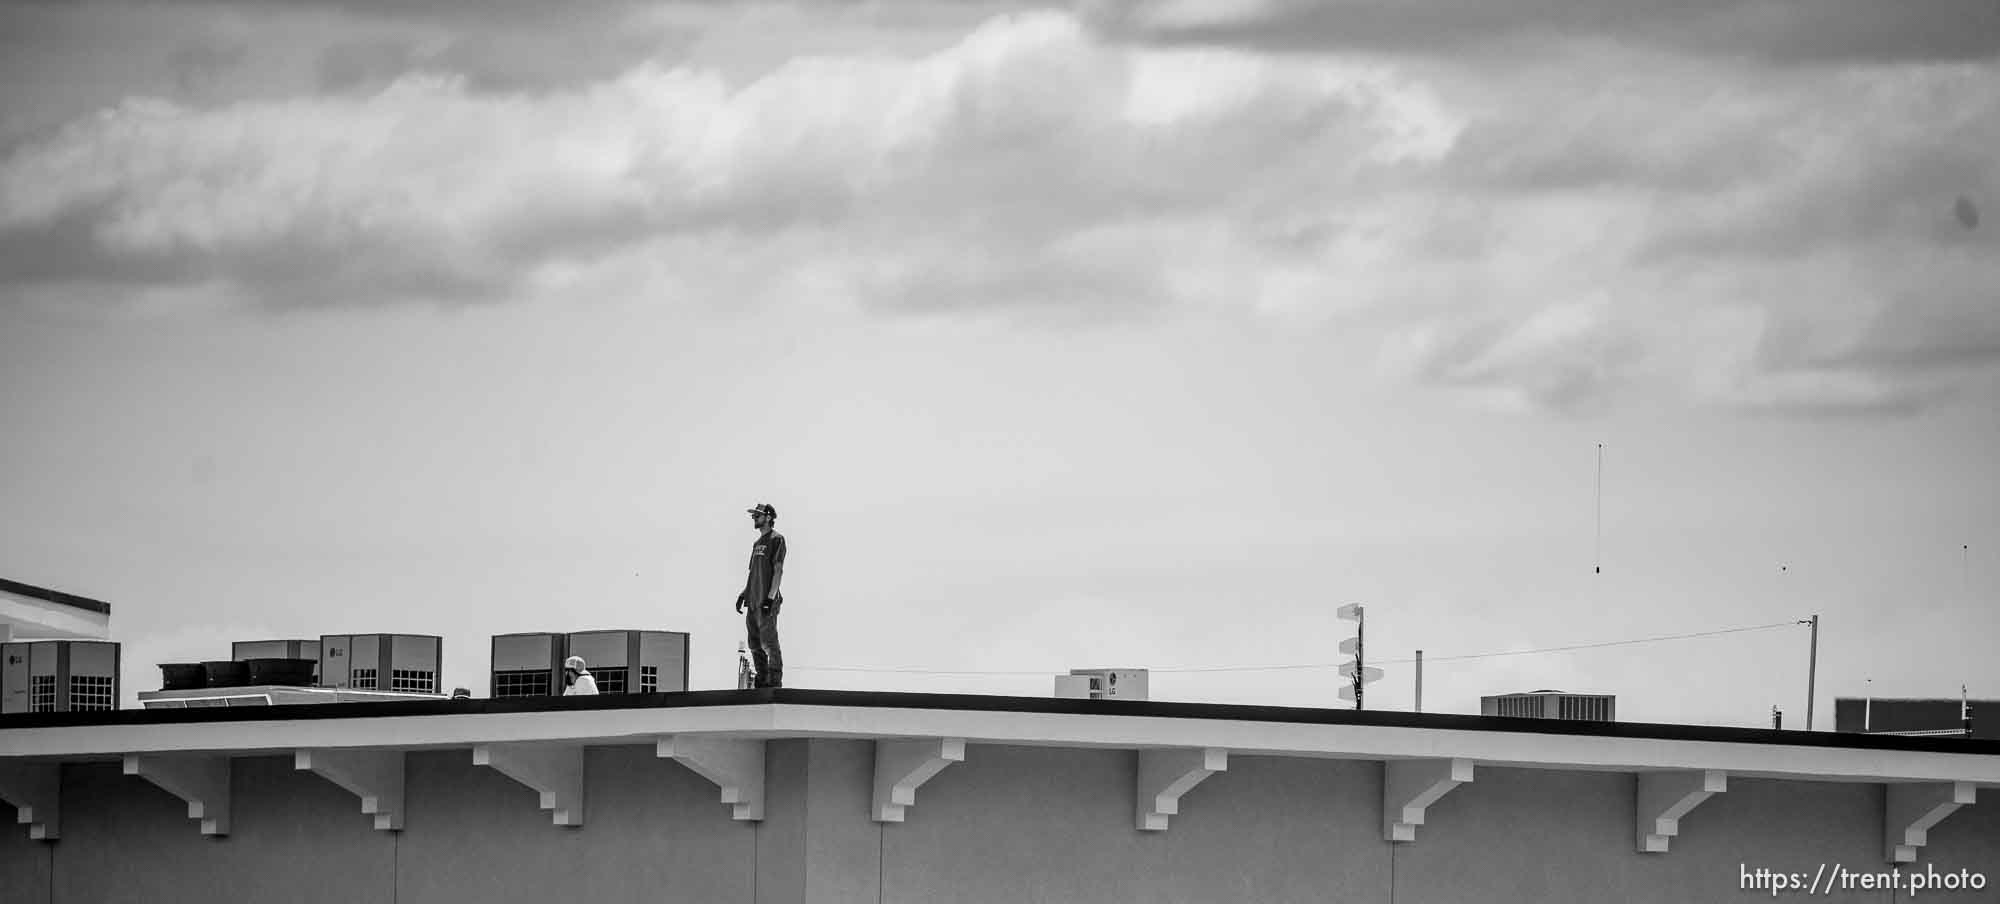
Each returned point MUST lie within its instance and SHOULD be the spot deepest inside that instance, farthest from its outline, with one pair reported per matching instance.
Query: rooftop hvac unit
(246, 650)
(1550, 704)
(1103, 684)
(633, 662)
(292, 662)
(58, 676)
(621, 662)
(528, 665)
(409, 663)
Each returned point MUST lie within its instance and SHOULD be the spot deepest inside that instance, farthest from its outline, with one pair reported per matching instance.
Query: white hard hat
(574, 662)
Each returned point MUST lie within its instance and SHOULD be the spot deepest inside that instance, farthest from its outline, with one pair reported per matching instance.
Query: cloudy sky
(1123, 333)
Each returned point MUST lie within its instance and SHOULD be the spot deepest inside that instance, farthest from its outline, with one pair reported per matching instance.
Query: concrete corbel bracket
(901, 767)
(1914, 809)
(35, 791)
(553, 771)
(1411, 786)
(1665, 797)
(735, 765)
(1165, 775)
(202, 781)
(375, 776)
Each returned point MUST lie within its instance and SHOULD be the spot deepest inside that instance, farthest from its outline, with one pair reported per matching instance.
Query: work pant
(761, 623)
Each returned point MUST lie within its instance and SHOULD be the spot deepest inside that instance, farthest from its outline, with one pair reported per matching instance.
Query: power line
(1466, 656)
(1611, 643)
(847, 668)
(1319, 665)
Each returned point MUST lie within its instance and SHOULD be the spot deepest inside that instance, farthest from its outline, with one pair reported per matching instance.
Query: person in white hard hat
(577, 678)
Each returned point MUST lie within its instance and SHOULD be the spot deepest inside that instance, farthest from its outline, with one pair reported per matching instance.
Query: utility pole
(1420, 681)
(1597, 553)
(1812, 667)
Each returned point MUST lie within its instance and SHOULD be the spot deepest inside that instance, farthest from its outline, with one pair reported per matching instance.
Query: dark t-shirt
(766, 554)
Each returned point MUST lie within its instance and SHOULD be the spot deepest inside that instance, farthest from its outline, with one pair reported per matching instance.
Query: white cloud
(1783, 31)
(1017, 134)
(1546, 235)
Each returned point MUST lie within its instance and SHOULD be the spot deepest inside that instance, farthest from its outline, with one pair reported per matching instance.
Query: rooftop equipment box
(58, 676)
(386, 662)
(627, 662)
(621, 662)
(245, 650)
(1103, 684)
(528, 665)
(1550, 704)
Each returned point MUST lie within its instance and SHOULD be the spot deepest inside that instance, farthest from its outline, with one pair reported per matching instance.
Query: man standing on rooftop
(761, 597)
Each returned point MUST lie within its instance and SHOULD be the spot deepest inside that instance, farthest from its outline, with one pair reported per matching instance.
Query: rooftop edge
(984, 703)
(55, 596)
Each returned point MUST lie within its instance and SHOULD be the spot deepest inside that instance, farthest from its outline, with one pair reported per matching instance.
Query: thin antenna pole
(1597, 563)
(1867, 707)
(1812, 669)
(1420, 681)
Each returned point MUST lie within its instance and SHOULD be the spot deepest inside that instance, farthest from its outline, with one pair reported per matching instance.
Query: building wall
(653, 831)
(1009, 824)
(296, 837)
(1968, 839)
(1046, 824)
(1528, 835)
(24, 865)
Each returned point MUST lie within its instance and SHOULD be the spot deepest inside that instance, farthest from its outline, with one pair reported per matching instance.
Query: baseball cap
(574, 662)
(763, 508)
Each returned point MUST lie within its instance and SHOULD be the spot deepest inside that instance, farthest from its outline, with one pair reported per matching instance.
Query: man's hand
(739, 604)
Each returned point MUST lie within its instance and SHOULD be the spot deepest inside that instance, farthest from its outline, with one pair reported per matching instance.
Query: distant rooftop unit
(620, 661)
(1940, 717)
(1552, 704)
(300, 649)
(404, 663)
(58, 676)
(1103, 684)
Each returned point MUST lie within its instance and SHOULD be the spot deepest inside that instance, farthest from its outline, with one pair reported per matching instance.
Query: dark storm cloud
(1778, 31)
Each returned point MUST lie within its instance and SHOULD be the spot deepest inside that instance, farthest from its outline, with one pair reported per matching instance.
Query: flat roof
(969, 703)
(789, 713)
(56, 596)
